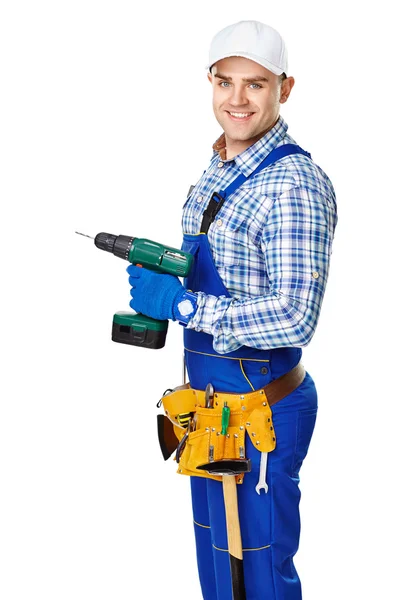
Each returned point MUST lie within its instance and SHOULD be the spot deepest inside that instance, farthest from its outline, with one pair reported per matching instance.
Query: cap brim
(261, 61)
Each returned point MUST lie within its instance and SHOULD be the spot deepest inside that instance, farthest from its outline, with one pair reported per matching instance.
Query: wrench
(262, 485)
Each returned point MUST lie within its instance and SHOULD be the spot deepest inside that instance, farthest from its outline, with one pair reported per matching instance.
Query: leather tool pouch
(249, 413)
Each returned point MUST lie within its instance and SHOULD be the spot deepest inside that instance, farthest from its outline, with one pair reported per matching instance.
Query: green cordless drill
(133, 328)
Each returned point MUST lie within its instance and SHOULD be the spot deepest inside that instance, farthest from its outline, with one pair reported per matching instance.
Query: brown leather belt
(283, 386)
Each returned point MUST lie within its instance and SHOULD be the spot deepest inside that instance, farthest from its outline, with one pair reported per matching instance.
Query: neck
(234, 147)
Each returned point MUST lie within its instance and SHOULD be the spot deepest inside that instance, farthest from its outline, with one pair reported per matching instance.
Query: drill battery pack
(139, 330)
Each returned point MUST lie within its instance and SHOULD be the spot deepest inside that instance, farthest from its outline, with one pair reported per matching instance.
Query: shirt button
(315, 274)
(264, 370)
(219, 222)
(220, 164)
(199, 199)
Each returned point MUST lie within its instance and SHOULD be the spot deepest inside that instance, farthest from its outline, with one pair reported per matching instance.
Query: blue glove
(158, 295)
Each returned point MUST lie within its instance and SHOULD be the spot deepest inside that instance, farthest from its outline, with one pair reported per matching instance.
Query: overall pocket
(304, 429)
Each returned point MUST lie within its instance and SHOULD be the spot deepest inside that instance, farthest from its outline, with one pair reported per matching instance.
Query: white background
(106, 120)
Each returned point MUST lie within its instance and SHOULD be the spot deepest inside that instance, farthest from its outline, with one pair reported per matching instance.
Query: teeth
(240, 115)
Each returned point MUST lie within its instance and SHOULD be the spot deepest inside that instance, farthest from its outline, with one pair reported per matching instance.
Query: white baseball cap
(253, 40)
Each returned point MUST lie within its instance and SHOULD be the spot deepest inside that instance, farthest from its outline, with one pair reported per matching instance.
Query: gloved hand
(156, 295)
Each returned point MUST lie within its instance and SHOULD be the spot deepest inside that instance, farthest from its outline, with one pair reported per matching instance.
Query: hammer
(228, 469)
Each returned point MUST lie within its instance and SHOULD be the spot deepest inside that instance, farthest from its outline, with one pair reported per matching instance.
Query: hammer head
(227, 466)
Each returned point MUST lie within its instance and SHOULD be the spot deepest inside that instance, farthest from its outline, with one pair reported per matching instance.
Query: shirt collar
(252, 156)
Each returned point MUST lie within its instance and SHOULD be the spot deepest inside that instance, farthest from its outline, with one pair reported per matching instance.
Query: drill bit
(85, 235)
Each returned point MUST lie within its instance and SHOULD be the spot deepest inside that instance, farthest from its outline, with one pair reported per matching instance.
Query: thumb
(134, 271)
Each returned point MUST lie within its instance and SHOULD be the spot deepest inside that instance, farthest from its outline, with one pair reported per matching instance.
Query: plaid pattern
(271, 243)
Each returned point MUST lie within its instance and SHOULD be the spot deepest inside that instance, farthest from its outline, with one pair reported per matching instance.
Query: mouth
(239, 117)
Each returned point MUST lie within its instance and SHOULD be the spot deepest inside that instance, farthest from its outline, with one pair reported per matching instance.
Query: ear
(286, 88)
(209, 77)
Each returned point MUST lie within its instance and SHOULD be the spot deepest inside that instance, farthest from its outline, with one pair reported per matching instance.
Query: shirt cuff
(209, 318)
(209, 310)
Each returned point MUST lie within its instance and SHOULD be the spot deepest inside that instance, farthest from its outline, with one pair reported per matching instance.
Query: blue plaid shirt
(271, 243)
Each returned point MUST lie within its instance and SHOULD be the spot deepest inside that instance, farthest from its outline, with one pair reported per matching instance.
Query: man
(260, 224)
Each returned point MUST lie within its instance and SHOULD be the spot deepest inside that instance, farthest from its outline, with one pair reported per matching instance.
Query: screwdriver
(225, 418)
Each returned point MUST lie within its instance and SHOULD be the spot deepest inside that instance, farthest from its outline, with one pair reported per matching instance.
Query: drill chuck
(119, 245)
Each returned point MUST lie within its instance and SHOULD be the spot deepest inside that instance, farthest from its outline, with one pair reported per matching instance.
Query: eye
(224, 84)
(256, 86)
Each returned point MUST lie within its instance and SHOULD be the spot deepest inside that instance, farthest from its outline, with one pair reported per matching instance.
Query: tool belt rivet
(264, 403)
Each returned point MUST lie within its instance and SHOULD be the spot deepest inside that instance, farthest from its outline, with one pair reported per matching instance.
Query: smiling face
(246, 100)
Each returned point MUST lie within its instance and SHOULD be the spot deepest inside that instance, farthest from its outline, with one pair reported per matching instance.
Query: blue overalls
(270, 523)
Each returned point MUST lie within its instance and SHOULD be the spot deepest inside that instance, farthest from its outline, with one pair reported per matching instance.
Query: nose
(238, 96)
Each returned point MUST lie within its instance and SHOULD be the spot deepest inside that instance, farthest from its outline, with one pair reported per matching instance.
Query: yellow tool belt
(249, 413)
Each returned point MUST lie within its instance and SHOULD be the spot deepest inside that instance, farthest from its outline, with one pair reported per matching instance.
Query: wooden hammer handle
(231, 513)
(235, 548)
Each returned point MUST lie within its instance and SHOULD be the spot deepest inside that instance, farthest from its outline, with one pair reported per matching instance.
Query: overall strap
(218, 199)
(275, 155)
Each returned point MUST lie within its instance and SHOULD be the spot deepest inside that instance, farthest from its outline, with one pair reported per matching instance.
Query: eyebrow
(245, 79)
